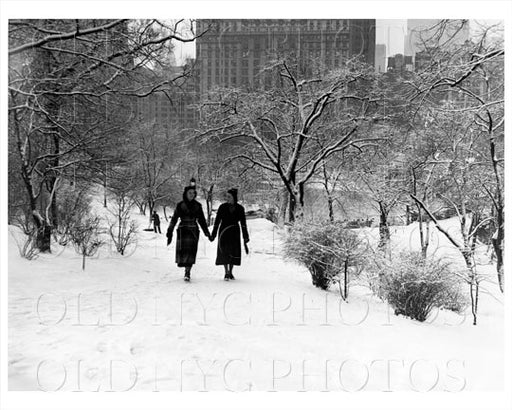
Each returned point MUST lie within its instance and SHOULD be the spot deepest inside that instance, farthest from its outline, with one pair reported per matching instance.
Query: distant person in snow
(230, 218)
(189, 212)
(156, 222)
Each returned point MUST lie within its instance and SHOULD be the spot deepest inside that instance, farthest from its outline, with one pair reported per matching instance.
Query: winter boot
(187, 275)
(230, 273)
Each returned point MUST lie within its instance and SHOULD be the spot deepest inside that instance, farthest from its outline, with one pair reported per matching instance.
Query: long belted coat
(228, 221)
(190, 213)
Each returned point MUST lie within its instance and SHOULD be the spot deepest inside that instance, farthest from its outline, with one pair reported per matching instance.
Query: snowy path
(132, 323)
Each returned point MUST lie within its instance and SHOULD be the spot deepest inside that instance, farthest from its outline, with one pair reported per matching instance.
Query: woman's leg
(231, 271)
(226, 272)
(187, 272)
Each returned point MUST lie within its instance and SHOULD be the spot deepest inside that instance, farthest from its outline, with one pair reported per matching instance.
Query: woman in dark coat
(190, 212)
(230, 217)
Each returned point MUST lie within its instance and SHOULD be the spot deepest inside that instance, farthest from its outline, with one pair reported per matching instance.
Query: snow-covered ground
(132, 323)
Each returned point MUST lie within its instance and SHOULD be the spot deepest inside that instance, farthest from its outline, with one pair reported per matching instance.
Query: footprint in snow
(136, 349)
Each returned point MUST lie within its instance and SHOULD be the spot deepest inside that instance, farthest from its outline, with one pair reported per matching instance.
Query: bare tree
(276, 129)
(471, 77)
(122, 230)
(71, 89)
(151, 151)
(85, 237)
(459, 164)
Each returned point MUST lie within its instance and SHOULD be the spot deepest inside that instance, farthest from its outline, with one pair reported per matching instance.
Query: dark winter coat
(228, 221)
(189, 213)
(156, 219)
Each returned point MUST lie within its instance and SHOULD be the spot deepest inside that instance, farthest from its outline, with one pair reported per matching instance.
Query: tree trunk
(53, 180)
(105, 188)
(328, 193)
(384, 233)
(209, 203)
(291, 208)
(473, 283)
(43, 239)
(44, 231)
(424, 236)
(408, 218)
(497, 243)
(151, 205)
(283, 206)
(346, 278)
(295, 208)
(500, 210)
(330, 202)
(426, 240)
(142, 207)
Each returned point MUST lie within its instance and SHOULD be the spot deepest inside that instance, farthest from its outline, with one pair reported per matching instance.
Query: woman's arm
(216, 224)
(243, 224)
(174, 221)
(202, 221)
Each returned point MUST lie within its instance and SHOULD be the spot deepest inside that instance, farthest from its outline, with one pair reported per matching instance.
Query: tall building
(380, 58)
(231, 53)
(400, 63)
(417, 29)
(174, 108)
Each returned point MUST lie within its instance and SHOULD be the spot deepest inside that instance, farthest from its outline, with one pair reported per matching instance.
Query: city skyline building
(380, 58)
(232, 53)
(400, 63)
(175, 107)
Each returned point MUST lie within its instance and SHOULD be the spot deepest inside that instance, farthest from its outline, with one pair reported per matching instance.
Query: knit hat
(234, 193)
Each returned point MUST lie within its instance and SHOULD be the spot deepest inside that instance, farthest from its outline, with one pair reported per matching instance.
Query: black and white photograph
(257, 201)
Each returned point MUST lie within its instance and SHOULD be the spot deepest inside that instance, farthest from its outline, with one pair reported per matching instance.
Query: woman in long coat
(230, 218)
(190, 212)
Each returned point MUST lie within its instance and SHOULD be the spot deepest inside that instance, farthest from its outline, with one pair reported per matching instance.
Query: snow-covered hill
(133, 323)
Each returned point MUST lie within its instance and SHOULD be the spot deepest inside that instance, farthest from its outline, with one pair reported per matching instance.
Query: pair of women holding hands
(229, 223)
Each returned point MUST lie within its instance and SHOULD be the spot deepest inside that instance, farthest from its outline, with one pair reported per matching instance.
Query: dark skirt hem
(234, 263)
(185, 265)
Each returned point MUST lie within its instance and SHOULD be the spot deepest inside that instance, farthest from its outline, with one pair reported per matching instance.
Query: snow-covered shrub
(73, 205)
(27, 243)
(326, 249)
(85, 237)
(26, 237)
(414, 285)
(122, 230)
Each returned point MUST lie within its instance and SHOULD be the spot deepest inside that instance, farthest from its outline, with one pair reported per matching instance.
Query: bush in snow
(123, 231)
(414, 285)
(85, 237)
(27, 244)
(327, 249)
(27, 240)
(72, 206)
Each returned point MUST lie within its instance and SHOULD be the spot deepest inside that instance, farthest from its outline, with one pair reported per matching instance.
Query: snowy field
(132, 323)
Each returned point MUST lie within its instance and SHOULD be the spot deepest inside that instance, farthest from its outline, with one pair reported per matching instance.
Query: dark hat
(234, 193)
(188, 188)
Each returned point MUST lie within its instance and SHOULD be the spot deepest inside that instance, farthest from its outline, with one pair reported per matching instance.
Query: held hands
(211, 237)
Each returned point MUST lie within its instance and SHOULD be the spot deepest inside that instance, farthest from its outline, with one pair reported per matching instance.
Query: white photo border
(246, 9)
